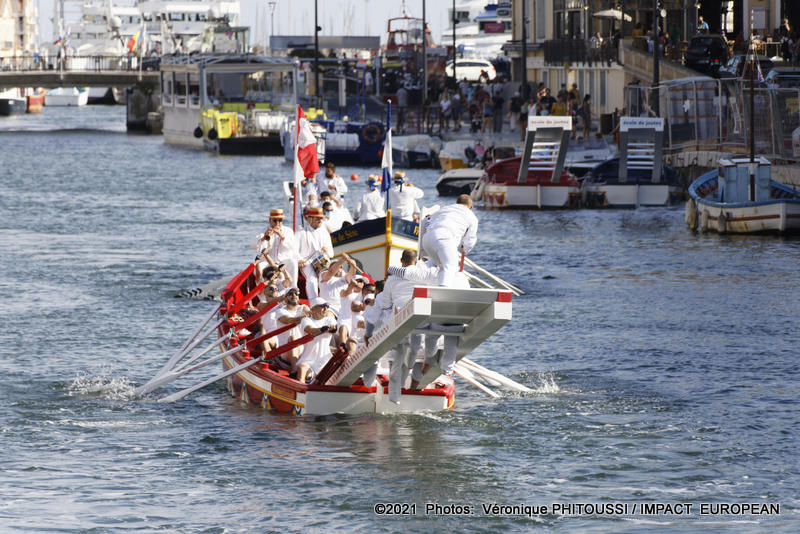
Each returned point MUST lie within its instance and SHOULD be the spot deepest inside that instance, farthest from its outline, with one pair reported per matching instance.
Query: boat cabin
(734, 183)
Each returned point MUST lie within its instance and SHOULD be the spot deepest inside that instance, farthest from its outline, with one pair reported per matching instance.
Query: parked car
(739, 67)
(706, 53)
(784, 77)
(474, 70)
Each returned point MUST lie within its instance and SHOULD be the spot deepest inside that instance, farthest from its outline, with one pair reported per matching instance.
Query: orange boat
(35, 101)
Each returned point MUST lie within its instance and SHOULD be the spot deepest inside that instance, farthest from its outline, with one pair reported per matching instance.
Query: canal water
(664, 365)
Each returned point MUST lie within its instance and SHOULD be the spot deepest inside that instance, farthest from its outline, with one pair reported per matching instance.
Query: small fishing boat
(739, 197)
(67, 96)
(11, 103)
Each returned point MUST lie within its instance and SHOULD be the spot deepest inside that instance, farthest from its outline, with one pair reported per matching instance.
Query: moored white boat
(458, 181)
(533, 181)
(416, 151)
(227, 103)
(67, 96)
(731, 200)
(637, 176)
(11, 103)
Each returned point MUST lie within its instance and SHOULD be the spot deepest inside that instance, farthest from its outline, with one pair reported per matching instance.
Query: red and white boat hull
(535, 196)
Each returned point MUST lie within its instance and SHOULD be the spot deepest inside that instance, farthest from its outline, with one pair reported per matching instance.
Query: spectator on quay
(488, 113)
(702, 26)
(563, 92)
(572, 110)
(514, 109)
(595, 43)
(497, 110)
(574, 93)
(525, 110)
(455, 110)
(548, 101)
(560, 107)
(402, 104)
(445, 108)
(586, 116)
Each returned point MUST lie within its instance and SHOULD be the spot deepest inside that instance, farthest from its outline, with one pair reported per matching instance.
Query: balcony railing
(573, 51)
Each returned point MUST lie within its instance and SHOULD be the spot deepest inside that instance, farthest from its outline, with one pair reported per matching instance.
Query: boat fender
(198, 132)
(212, 134)
(704, 221)
(477, 191)
(372, 133)
(722, 223)
(691, 214)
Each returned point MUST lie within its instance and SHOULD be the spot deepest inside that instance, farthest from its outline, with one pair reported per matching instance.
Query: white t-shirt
(331, 291)
(317, 352)
(294, 332)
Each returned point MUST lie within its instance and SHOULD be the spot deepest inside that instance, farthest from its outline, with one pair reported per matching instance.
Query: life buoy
(691, 214)
(212, 134)
(372, 133)
(198, 132)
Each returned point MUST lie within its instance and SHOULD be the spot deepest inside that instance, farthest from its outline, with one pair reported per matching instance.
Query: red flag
(306, 146)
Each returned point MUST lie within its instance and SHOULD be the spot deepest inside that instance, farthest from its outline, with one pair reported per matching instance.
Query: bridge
(77, 71)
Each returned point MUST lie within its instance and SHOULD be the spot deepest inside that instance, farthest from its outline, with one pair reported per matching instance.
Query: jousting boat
(253, 376)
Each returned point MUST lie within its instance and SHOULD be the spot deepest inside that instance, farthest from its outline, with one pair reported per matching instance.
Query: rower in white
(397, 292)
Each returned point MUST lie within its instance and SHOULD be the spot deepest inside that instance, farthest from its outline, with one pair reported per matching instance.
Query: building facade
(19, 28)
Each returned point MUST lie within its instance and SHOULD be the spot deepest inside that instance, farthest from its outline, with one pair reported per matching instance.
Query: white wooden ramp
(481, 311)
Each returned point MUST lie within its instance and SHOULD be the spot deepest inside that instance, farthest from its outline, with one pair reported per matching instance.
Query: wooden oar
(181, 394)
(466, 375)
(483, 272)
(171, 376)
(268, 356)
(494, 375)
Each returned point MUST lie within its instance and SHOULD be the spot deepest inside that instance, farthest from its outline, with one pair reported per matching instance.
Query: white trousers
(312, 282)
(443, 250)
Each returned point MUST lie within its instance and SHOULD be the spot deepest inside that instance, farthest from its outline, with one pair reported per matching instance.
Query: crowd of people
(485, 107)
(345, 305)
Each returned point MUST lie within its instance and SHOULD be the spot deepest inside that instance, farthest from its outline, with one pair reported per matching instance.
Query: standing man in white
(451, 231)
(313, 241)
(280, 244)
(371, 204)
(403, 197)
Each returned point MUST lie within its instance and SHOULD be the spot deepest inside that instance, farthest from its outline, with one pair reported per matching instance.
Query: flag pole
(296, 169)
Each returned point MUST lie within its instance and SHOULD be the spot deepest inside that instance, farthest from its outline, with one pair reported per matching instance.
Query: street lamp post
(524, 62)
(654, 103)
(316, 56)
(272, 18)
(271, 22)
